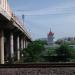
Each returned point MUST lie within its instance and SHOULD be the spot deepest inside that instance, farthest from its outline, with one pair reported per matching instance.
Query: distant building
(50, 38)
(67, 39)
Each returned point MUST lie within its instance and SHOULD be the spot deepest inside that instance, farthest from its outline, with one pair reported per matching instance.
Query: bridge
(14, 37)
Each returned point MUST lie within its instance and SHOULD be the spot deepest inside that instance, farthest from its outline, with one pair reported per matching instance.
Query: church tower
(50, 37)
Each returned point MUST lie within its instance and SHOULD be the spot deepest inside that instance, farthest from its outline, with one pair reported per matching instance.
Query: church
(50, 38)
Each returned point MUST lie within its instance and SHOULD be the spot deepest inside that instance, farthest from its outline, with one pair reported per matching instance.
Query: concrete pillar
(11, 45)
(24, 43)
(18, 48)
(27, 43)
(21, 43)
(1, 47)
(7, 47)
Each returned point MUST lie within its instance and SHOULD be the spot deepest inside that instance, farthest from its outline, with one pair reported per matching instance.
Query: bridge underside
(12, 41)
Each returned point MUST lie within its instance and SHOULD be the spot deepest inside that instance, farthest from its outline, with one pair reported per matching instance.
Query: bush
(34, 51)
(64, 51)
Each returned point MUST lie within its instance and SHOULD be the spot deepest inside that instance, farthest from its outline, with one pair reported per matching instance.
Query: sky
(41, 15)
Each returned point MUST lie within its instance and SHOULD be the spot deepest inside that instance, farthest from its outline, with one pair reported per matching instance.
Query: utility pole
(23, 17)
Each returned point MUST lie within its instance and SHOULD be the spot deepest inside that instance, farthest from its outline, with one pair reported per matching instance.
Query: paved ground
(38, 71)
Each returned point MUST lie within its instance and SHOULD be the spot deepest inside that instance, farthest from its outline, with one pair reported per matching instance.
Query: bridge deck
(7, 13)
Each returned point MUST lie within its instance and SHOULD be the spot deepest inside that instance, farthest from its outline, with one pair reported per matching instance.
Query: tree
(34, 51)
(63, 52)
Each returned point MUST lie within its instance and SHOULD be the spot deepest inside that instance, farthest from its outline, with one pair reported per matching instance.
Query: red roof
(50, 33)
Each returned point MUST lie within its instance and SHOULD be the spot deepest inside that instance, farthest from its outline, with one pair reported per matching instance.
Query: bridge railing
(6, 7)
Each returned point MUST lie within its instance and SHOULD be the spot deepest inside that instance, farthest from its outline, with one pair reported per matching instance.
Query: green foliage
(34, 51)
(64, 51)
(37, 53)
(72, 54)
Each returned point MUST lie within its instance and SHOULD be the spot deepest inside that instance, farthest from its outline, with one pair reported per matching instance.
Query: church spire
(50, 29)
(50, 37)
(50, 33)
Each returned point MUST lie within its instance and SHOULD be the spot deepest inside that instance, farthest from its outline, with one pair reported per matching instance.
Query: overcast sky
(41, 15)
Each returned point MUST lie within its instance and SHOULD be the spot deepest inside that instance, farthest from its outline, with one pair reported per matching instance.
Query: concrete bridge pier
(12, 46)
(21, 43)
(24, 43)
(18, 48)
(1, 46)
